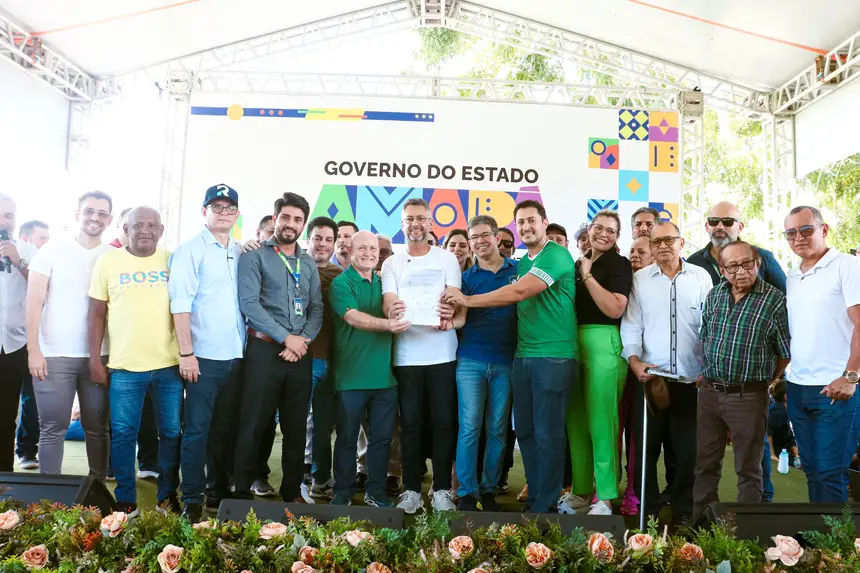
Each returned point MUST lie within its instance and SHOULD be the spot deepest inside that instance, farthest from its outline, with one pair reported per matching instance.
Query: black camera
(5, 263)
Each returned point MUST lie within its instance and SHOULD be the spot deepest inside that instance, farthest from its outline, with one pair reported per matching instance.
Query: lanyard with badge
(297, 274)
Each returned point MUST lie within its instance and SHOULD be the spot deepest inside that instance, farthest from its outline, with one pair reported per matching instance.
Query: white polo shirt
(13, 300)
(818, 303)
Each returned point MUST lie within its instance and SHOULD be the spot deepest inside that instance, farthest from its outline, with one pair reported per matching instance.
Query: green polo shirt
(361, 359)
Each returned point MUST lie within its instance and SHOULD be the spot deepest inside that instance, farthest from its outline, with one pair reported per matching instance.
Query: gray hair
(661, 223)
(485, 220)
(816, 214)
(416, 202)
(382, 237)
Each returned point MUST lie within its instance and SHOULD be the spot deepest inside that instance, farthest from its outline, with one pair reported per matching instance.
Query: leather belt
(262, 336)
(738, 388)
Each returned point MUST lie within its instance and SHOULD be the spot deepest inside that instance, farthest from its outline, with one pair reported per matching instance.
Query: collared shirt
(821, 331)
(490, 334)
(333, 260)
(267, 292)
(13, 296)
(203, 282)
(663, 317)
(321, 346)
(770, 271)
(744, 339)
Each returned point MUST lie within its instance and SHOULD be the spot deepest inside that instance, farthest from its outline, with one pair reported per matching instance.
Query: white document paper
(420, 291)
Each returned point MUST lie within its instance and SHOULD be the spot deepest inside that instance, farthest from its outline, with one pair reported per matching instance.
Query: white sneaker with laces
(443, 501)
(410, 501)
(147, 474)
(600, 508)
(570, 504)
(306, 494)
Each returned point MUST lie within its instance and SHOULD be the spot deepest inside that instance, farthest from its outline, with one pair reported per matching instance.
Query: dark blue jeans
(380, 407)
(826, 436)
(323, 406)
(210, 405)
(127, 393)
(27, 436)
(766, 467)
(541, 391)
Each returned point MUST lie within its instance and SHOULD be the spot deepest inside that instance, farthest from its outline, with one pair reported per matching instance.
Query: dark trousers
(271, 384)
(13, 369)
(745, 416)
(380, 409)
(264, 448)
(680, 422)
(767, 491)
(147, 439)
(633, 430)
(27, 437)
(437, 384)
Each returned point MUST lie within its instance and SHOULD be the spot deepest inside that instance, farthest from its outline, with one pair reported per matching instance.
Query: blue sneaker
(374, 501)
(341, 498)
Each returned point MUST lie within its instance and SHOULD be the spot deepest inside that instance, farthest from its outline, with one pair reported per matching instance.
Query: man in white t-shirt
(57, 308)
(824, 321)
(425, 360)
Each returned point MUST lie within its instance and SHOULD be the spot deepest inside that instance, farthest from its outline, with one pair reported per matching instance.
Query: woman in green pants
(604, 279)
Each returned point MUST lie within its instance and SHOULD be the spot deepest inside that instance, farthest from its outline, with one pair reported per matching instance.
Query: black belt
(737, 388)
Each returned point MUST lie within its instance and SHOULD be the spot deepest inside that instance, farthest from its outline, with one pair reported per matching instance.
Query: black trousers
(271, 384)
(680, 422)
(13, 368)
(437, 384)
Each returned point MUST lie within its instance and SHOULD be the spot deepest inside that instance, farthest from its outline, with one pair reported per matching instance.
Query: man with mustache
(345, 231)
(643, 221)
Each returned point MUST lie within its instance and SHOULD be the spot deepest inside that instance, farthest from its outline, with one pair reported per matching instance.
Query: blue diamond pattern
(332, 210)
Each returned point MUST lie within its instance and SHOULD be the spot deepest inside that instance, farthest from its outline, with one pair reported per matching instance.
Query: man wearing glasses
(660, 331)
(746, 348)
(824, 319)
(204, 301)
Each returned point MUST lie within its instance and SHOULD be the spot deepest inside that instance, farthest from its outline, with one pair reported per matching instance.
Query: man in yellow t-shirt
(128, 293)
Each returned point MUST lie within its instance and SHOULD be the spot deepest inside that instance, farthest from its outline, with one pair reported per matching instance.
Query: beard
(286, 240)
(720, 243)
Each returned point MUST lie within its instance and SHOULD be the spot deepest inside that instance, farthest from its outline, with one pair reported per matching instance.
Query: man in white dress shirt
(660, 331)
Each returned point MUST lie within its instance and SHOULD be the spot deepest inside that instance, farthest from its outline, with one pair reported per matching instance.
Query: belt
(262, 336)
(738, 388)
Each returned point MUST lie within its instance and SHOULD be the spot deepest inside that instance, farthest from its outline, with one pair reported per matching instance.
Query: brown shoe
(524, 495)
(300, 499)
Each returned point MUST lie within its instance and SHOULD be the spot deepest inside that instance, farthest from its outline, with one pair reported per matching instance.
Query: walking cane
(642, 462)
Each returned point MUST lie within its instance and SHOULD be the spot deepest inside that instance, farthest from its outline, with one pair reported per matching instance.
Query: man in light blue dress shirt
(211, 331)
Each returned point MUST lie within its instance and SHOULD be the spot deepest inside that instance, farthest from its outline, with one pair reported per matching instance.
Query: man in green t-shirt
(363, 380)
(545, 364)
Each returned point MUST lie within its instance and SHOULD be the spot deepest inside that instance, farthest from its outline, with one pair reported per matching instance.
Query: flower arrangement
(51, 538)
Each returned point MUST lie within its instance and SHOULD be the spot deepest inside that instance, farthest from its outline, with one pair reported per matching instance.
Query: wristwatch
(852, 376)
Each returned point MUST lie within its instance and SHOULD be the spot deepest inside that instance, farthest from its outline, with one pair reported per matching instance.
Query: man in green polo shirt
(545, 364)
(363, 381)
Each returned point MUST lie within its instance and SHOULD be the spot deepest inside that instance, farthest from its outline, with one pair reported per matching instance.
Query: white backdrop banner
(360, 159)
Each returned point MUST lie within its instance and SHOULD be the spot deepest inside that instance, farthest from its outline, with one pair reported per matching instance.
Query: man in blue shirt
(488, 339)
(204, 301)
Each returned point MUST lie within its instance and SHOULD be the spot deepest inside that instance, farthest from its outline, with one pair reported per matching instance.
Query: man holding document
(425, 355)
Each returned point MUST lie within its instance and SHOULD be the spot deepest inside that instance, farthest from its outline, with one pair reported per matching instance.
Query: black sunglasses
(726, 221)
(506, 243)
(805, 231)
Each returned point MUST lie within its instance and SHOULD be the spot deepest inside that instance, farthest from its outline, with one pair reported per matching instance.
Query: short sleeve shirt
(614, 273)
(321, 346)
(490, 334)
(547, 325)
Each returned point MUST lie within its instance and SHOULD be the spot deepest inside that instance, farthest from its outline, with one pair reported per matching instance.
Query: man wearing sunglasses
(824, 319)
(506, 242)
(724, 225)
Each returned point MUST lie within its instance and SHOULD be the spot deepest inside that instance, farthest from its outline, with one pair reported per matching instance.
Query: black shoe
(503, 482)
(468, 503)
(193, 512)
(308, 477)
(360, 481)
(488, 502)
(213, 503)
(129, 509)
(392, 485)
(666, 497)
(169, 505)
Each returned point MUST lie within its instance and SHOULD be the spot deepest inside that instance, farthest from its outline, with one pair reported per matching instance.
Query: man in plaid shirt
(746, 346)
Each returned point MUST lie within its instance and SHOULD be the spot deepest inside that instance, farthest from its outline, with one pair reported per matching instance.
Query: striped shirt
(743, 340)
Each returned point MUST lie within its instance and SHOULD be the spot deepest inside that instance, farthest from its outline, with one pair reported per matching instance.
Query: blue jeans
(27, 436)
(209, 405)
(127, 392)
(484, 391)
(323, 406)
(541, 390)
(766, 467)
(826, 436)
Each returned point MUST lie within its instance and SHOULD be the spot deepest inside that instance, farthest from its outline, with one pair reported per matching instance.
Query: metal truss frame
(692, 207)
(779, 186)
(177, 101)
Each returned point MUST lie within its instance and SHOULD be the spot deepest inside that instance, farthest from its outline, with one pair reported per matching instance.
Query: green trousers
(592, 414)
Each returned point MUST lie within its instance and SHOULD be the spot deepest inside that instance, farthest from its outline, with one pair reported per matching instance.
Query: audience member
(779, 433)
(385, 250)
(643, 221)
(37, 233)
(457, 242)
(265, 229)
(507, 243)
(581, 238)
(345, 231)
(557, 234)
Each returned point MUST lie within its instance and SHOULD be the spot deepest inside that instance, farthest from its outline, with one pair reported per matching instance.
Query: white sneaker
(147, 474)
(410, 501)
(600, 508)
(570, 504)
(306, 494)
(443, 501)
(29, 463)
(322, 490)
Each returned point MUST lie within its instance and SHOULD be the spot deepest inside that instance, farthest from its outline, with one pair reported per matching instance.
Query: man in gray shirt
(280, 296)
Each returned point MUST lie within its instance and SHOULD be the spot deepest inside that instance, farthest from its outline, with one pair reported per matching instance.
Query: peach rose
(479, 570)
(113, 524)
(461, 546)
(307, 554)
(9, 520)
(356, 536)
(299, 567)
(35, 557)
(200, 525)
(169, 558)
(857, 545)
(601, 547)
(377, 568)
(247, 571)
(640, 545)
(537, 555)
(787, 550)
(272, 530)
(691, 552)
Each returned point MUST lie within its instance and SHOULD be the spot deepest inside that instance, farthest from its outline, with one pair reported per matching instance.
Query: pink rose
(9, 520)
(640, 545)
(355, 537)
(247, 571)
(857, 545)
(308, 554)
(787, 550)
(691, 552)
(113, 524)
(537, 555)
(271, 530)
(200, 525)
(601, 547)
(35, 557)
(169, 558)
(377, 568)
(299, 567)
(479, 570)
(461, 546)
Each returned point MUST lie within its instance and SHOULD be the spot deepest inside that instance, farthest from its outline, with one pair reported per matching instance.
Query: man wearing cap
(557, 234)
(581, 238)
(210, 328)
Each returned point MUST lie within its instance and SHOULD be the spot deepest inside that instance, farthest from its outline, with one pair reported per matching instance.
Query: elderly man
(824, 318)
(385, 250)
(640, 253)
(746, 347)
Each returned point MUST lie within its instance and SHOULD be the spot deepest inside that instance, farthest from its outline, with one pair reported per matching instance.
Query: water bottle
(782, 467)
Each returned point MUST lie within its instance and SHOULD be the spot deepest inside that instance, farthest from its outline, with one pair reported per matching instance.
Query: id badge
(297, 305)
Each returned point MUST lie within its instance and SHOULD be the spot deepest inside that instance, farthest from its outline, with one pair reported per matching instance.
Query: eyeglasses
(420, 220)
(733, 268)
(666, 241)
(486, 235)
(726, 221)
(506, 243)
(229, 209)
(610, 232)
(87, 212)
(805, 231)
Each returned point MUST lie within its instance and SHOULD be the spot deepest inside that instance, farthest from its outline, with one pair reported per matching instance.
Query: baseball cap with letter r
(221, 191)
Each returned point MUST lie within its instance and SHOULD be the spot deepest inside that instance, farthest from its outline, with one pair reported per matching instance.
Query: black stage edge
(237, 510)
(466, 521)
(66, 489)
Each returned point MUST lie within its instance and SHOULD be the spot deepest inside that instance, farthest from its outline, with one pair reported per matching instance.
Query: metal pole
(642, 457)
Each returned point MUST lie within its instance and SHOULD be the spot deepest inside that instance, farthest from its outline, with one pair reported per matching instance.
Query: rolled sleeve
(184, 280)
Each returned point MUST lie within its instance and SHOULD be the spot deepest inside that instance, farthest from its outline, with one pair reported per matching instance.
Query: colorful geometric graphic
(663, 126)
(603, 153)
(236, 231)
(237, 112)
(597, 205)
(668, 211)
(633, 186)
(633, 124)
(663, 156)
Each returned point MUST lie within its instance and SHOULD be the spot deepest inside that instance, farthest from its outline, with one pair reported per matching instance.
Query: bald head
(144, 229)
(364, 251)
(723, 224)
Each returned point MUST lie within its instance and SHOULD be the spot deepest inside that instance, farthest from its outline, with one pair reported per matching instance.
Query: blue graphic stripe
(302, 113)
(198, 110)
(400, 116)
